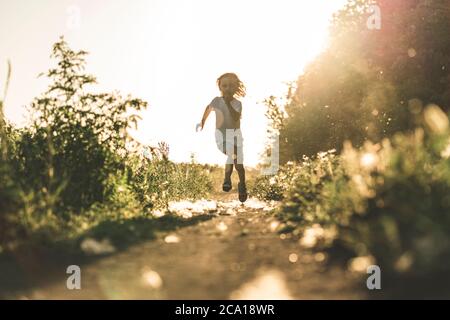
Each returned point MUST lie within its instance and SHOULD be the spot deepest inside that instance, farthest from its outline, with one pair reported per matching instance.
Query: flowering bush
(315, 170)
(390, 200)
(394, 203)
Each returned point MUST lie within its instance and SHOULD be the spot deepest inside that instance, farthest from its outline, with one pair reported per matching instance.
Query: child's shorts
(230, 143)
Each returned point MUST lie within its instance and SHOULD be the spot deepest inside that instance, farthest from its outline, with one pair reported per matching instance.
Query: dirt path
(236, 254)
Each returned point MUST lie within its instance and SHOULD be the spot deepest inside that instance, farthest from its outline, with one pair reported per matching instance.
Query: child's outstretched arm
(205, 116)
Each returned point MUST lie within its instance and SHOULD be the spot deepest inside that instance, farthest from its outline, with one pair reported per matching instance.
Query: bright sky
(169, 53)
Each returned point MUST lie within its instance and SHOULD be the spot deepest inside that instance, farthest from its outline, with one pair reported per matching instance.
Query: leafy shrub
(394, 204)
(76, 166)
(9, 193)
(388, 200)
(304, 175)
(77, 139)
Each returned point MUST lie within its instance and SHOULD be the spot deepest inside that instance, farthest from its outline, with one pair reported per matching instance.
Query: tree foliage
(369, 83)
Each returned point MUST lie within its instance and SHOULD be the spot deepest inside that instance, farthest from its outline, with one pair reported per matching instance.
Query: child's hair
(240, 87)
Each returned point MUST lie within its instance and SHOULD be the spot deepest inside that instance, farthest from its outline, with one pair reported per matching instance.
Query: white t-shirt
(224, 119)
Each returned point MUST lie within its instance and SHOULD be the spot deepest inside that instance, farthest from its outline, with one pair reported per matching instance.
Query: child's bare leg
(228, 172)
(242, 189)
(227, 180)
(241, 171)
(239, 165)
(229, 164)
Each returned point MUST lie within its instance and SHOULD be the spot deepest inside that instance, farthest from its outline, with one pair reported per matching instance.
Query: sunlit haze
(169, 53)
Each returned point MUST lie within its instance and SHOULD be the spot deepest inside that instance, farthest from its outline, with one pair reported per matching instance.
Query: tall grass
(76, 165)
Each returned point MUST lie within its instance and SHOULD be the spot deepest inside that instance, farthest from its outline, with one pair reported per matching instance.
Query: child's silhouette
(228, 133)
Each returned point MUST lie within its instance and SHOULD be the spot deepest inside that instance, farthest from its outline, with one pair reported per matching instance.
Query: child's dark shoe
(242, 189)
(226, 186)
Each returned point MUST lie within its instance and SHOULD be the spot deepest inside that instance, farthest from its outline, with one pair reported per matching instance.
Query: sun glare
(267, 45)
(170, 53)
